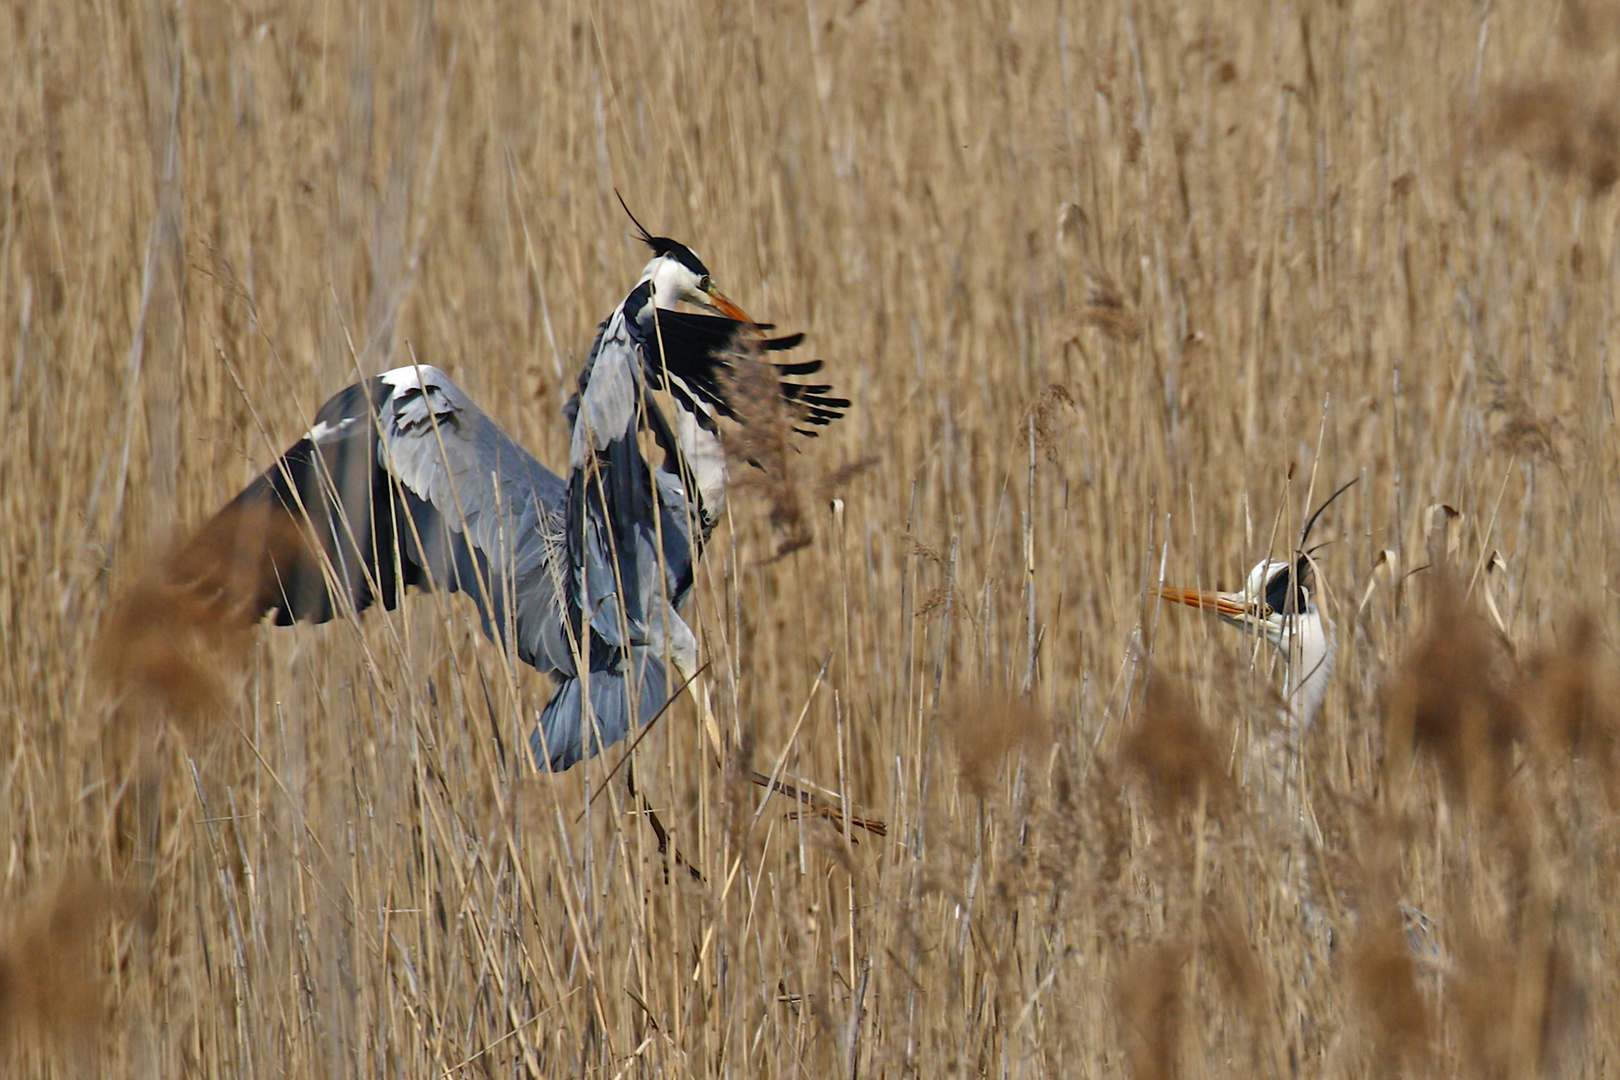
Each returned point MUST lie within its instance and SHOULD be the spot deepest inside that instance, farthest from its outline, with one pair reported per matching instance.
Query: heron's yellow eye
(705, 284)
(1269, 612)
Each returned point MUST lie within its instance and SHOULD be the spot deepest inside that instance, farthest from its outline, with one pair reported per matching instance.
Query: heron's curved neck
(639, 305)
(662, 277)
(1309, 655)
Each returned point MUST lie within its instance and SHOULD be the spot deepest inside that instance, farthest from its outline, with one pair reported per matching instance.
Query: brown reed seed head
(1384, 982)
(760, 445)
(1236, 962)
(1520, 1006)
(1106, 309)
(1047, 417)
(1567, 128)
(50, 984)
(1449, 701)
(987, 727)
(1172, 750)
(1149, 1000)
(1571, 697)
(843, 475)
(173, 641)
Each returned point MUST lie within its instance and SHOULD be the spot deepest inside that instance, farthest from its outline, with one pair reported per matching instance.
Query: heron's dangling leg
(665, 848)
(828, 808)
(710, 726)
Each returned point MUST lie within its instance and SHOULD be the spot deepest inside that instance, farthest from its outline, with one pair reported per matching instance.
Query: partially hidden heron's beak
(725, 307)
(1230, 605)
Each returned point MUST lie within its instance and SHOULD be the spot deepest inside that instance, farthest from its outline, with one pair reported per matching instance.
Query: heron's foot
(816, 806)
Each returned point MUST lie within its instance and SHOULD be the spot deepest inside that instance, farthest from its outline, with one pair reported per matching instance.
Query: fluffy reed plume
(760, 446)
(1518, 429)
(1571, 697)
(174, 637)
(1107, 310)
(1450, 700)
(1047, 416)
(50, 982)
(988, 727)
(836, 480)
(1149, 1000)
(1088, 830)
(1236, 962)
(1568, 128)
(1384, 985)
(1590, 25)
(1521, 1009)
(1170, 748)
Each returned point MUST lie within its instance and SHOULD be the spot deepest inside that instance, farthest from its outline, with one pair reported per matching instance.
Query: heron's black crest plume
(663, 245)
(1309, 525)
(1303, 564)
(641, 230)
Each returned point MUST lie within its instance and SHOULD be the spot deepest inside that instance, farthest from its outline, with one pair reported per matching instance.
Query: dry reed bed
(1114, 287)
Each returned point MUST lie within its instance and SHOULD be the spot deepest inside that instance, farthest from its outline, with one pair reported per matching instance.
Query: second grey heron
(1278, 601)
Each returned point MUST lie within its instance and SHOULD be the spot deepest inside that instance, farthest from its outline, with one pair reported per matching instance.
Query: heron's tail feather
(569, 732)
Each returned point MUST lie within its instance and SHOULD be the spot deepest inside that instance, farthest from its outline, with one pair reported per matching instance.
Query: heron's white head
(1274, 601)
(677, 276)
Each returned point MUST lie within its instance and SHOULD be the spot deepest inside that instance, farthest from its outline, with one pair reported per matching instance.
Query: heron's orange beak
(725, 307)
(1220, 603)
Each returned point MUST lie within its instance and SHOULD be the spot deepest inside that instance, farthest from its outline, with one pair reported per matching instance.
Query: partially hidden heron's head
(1274, 597)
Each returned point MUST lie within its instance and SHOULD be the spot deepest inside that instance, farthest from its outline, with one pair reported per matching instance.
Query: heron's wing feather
(317, 532)
(400, 481)
(488, 514)
(697, 351)
(688, 333)
(622, 698)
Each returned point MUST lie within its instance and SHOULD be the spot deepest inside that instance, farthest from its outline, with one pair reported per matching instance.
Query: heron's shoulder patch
(414, 377)
(420, 398)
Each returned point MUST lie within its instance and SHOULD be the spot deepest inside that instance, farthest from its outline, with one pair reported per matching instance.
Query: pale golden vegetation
(1108, 285)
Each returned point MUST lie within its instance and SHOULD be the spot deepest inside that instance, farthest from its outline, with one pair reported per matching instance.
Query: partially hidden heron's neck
(1310, 666)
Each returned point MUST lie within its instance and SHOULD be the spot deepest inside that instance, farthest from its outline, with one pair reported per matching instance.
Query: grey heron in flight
(1278, 601)
(403, 481)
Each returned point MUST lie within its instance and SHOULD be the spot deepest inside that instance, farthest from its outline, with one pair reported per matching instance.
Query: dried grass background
(1114, 287)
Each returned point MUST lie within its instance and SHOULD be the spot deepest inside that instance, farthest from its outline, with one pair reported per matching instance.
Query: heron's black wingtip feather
(783, 343)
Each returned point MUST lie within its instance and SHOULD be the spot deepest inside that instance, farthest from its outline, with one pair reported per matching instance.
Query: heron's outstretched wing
(403, 481)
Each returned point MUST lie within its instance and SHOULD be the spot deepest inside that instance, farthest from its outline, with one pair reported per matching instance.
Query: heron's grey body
(402, 480)
(630, 546)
